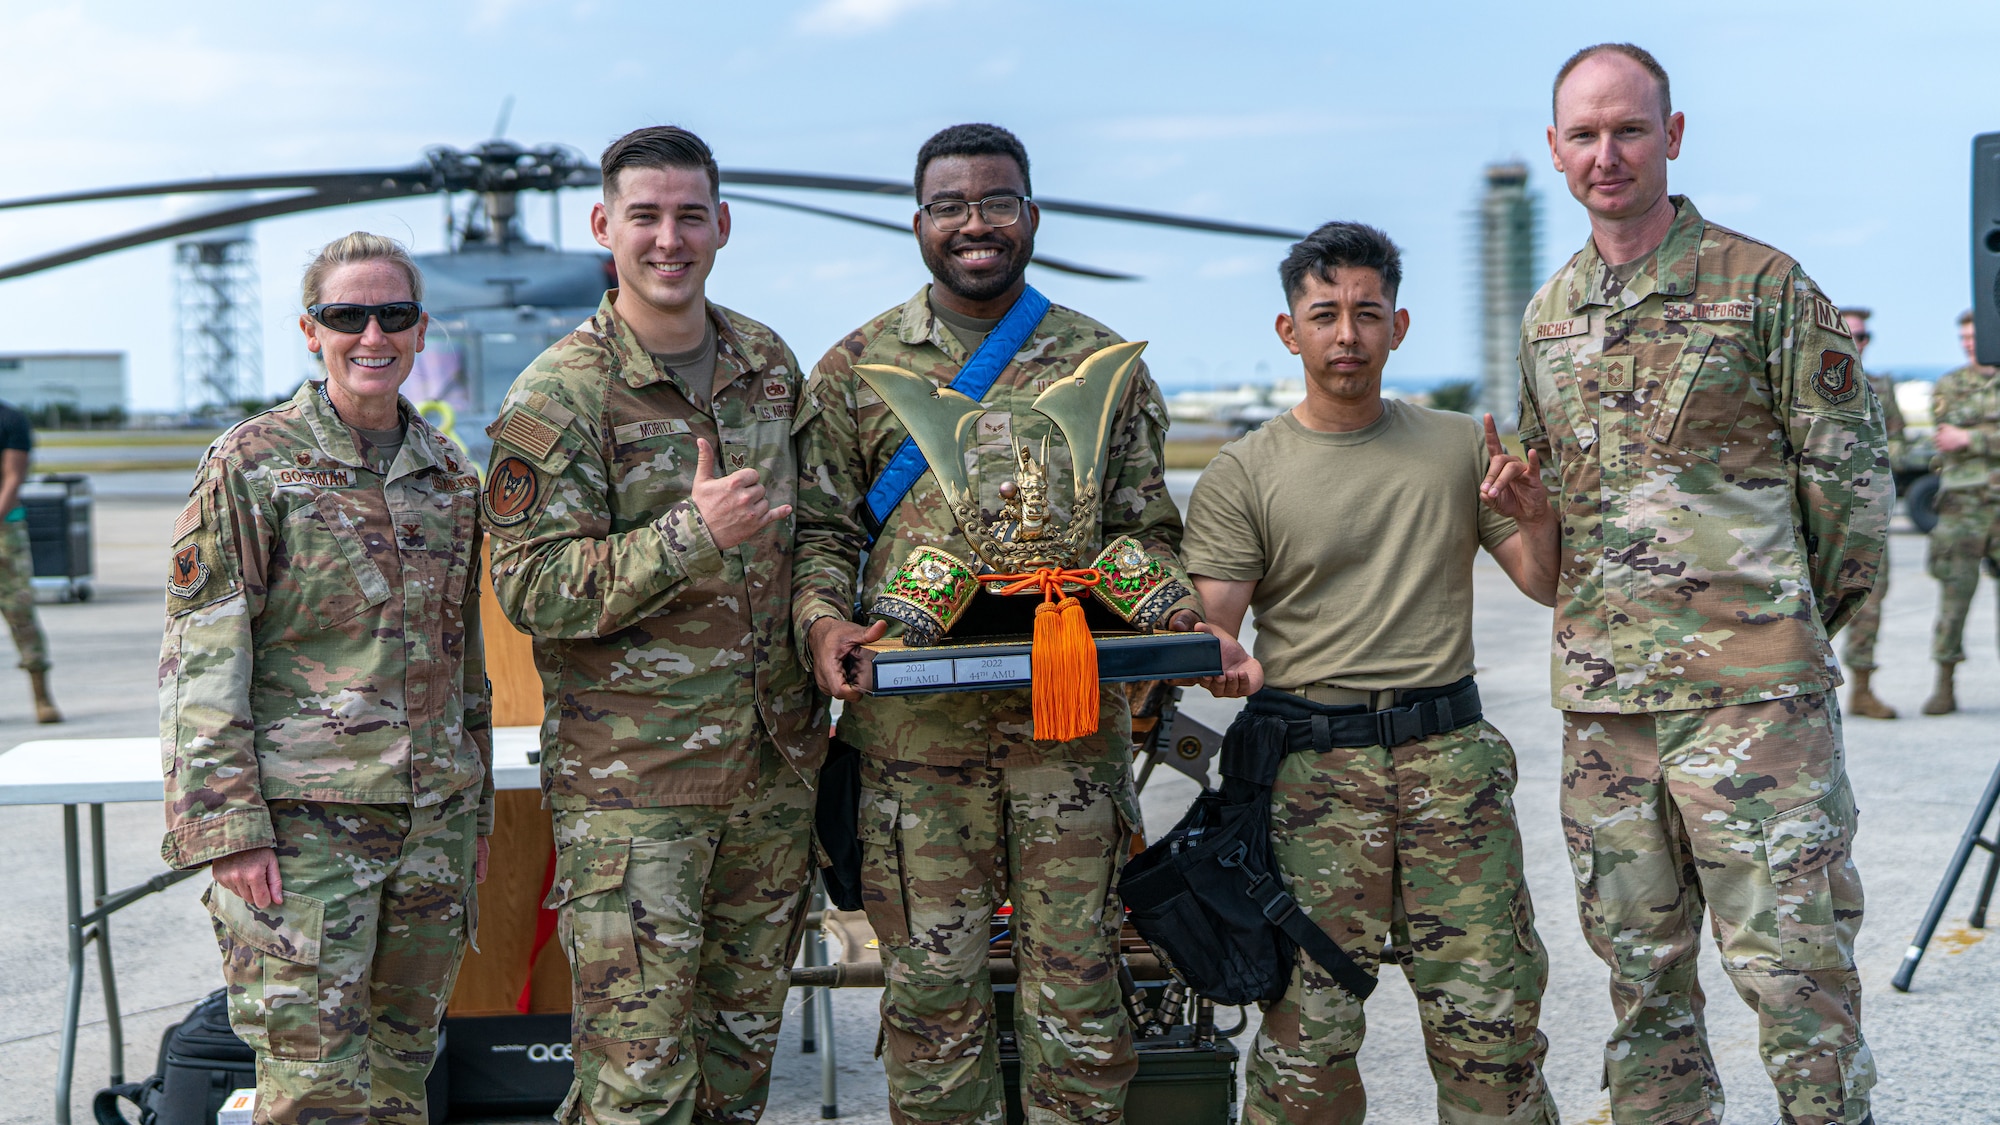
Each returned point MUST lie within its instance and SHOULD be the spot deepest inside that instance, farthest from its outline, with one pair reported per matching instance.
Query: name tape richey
(313, 478)
(1558, 329)
(1711, 310)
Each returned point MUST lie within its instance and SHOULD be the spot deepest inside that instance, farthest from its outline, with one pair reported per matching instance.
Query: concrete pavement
(1916, 779)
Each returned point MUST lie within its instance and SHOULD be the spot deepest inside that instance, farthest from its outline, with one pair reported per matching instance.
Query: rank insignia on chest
(1031, 575)
(188, 573)
(1835, 381)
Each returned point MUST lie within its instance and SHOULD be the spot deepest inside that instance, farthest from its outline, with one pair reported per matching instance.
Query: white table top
(107, 771)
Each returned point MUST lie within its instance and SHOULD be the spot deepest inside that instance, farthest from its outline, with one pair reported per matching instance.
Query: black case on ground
(506, 1064)
(201, 1063)
(1182, 1080)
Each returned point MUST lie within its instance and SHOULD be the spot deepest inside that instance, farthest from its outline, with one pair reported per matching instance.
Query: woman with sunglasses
(324, 720)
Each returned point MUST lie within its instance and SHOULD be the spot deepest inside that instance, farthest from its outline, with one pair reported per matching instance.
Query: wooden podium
(490, 981)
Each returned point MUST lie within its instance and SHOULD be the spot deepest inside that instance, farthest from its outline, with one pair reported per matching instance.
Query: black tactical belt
(1421, 713)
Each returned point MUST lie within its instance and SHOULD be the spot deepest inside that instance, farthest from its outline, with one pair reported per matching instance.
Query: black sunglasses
(352, 320)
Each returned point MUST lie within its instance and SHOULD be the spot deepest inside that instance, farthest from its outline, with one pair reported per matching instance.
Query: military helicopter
(496, 298)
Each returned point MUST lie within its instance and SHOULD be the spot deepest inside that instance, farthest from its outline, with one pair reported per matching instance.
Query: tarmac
(1917, 778)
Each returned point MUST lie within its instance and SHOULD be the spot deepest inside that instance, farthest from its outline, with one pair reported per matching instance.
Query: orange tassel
(1065, 672)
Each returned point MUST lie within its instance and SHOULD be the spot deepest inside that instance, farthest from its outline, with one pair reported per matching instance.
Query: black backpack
(1207, 896)
(201, 1063)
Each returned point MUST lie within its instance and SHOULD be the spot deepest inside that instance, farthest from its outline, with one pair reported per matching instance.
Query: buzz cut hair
(973, 140)
(662, 147)
(1340, 245)
(1631, 51)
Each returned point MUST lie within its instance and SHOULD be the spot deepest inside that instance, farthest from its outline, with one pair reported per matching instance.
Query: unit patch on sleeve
(511, 491)
(1835, 380)
(188, 573)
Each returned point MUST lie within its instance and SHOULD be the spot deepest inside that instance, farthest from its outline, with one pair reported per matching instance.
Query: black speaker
(1986, 244)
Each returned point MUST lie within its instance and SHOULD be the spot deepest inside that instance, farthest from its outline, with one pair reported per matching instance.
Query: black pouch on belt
(837, 824)
(1207, 896)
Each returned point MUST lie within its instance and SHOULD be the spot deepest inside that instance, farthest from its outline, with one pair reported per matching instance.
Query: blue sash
(973, 381)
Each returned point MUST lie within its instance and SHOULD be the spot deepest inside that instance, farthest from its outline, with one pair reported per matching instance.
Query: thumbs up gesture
(734, 506)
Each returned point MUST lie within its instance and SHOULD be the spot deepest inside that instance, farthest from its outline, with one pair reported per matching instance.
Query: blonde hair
(351, 249)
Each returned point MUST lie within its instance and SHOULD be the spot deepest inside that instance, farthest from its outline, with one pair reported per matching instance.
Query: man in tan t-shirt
(1350, 524)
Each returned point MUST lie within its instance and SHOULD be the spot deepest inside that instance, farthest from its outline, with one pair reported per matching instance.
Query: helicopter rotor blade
(870, 186)
(196, 224)
(388, 179)
(1042, 260)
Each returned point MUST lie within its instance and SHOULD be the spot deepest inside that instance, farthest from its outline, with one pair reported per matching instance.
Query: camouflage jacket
(661, 655)
(322, 637)
(1969, 398)
(1719, 467)
(1884, 386)
(846, 434)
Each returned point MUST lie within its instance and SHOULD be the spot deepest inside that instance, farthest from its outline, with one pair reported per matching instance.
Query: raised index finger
(1493, 446)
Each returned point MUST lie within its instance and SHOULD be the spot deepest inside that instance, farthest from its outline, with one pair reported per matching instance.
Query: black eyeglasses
(949, 215)
(352, 320)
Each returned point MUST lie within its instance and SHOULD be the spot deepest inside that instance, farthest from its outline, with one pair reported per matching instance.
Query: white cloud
(853, 17)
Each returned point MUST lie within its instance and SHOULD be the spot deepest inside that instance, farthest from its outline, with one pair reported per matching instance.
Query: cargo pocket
(1818, 891)
(1857, 1077)
(882, 891)
(270, 956)
(596, 919)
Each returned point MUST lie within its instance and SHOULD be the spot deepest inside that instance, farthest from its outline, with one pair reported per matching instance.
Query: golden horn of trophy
(939, 418)
(1084, 406)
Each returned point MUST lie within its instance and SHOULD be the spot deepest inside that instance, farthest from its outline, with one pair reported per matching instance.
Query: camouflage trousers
(1417, 844)
(339, 988)
(1745, 810)
(942, 848)
(1967, 534)
(681, 924)
(17, 596)
(1866, 624)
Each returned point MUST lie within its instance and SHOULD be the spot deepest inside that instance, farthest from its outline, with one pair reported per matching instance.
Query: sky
(1839, 132)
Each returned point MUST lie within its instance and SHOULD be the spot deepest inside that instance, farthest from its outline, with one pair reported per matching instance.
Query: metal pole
(808, 1031)
(72, 1007)
(1971, 839)
(100, 932)
(829, 1080)
(1978, 918)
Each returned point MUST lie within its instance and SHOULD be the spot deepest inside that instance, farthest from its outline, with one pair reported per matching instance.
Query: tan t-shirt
(1361, 545)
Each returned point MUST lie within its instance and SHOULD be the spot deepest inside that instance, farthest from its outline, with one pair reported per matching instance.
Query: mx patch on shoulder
(512, 488)
(1835, 380)
(1828, 317)
(188, 573)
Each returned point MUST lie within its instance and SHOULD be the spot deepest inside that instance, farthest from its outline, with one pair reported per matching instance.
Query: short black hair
(972, 140)
(1339, 244)
(659, 146)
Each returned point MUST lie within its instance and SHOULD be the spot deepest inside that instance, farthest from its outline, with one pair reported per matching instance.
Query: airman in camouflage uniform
(1965, 407)
(323, 693)
(1722, 478)
(680, 731)
(962, 809)
(1859, 652)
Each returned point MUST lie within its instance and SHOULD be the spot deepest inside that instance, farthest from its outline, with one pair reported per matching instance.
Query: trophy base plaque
(999, 665)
